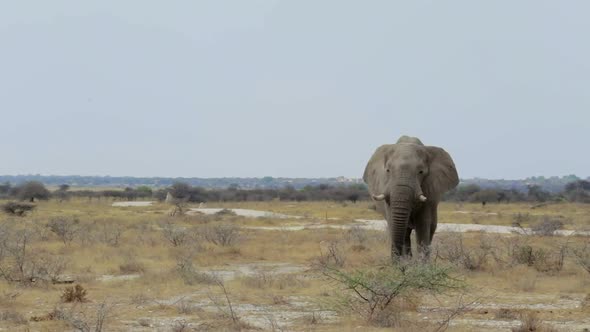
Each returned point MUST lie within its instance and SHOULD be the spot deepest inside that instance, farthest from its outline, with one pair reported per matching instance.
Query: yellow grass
(150, 298)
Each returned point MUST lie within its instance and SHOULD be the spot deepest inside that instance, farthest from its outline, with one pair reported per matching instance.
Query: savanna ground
(139, 269)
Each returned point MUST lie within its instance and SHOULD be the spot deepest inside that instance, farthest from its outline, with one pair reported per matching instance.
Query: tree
(536, 193)
(144, 191)
(5, 189)
(62, 193)
(462, 193)
(31, 191)
(180, 190)
(486, 195)
(578, 191)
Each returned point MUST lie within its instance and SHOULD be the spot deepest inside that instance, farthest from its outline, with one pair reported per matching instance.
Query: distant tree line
(552, 184)
(577, 191)
(322, 192)
(266, 182)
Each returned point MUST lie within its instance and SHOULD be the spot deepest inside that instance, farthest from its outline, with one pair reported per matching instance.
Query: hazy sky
(292, 88)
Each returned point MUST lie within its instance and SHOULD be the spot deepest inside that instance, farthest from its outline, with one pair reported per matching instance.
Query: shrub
(372, 293)
(187, 272)
(221, 234)
(131, 265)
(332, 255)
(549, 261)
(65, 228)
(13, 317)
(547, 226)
(74, 294)
(582, 256)
(504, 313)
(177, 236)
(357, 236)
(530, 322)
(541, 259)
(524, 255)
(109, 232)
(225, 212)
(19, 263)
(452, 249)
(18, 209)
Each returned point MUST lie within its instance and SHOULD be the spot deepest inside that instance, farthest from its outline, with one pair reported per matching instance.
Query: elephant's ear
(374, 175)
(443, 174)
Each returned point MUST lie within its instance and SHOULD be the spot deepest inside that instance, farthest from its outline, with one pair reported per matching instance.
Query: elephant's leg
(424, 230)
(408, 243)
(433, 222)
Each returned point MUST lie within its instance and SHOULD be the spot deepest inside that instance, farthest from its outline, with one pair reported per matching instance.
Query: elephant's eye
(387, 170)
(421, 172)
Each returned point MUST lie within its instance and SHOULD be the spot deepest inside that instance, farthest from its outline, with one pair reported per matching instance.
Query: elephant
(406, 180)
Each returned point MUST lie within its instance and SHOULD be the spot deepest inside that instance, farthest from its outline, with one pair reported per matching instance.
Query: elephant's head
(404, 176)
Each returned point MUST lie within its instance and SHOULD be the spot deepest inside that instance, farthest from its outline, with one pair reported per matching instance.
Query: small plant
(452, 249)
(188, 273)
(13, 317)
(358, 237)
(226, 308)
(222, 234)
(185, 307)
(582, 256)
(181, 326)
(524, 255)
(530, 322)
(74, 294)
(504, 313)
(177, 236)
(56, 314)
(87, 322)
(519, 218)
(225, 212)
(547, 226)
(541, 259)
(110, 233)
(18, 209)
(332, 255)
(546, 261)
(65, 228)
(131, 265)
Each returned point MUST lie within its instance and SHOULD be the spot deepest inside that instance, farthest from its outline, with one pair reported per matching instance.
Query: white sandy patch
(246, 213)
(126, 204)
(380, 225)
(124, 277)
(477, 213)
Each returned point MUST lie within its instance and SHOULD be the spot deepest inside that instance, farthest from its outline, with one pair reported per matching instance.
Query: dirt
(276, 316)
(233, 271)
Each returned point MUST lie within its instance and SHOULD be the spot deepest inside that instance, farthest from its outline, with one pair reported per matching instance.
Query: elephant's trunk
(401, 201)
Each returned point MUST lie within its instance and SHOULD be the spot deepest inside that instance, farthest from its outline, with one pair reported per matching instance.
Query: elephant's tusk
(422, 198)
(379, 197)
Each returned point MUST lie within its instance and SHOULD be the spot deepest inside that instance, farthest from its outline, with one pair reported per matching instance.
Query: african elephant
(406, 180)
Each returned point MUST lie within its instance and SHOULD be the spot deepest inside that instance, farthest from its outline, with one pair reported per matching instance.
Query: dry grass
(152, 275)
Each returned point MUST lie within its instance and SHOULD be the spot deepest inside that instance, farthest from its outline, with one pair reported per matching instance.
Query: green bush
(372, 293)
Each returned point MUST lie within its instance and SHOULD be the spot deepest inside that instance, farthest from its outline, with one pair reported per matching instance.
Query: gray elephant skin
(407, 180)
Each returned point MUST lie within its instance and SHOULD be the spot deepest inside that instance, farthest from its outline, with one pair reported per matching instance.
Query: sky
(292, 88)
